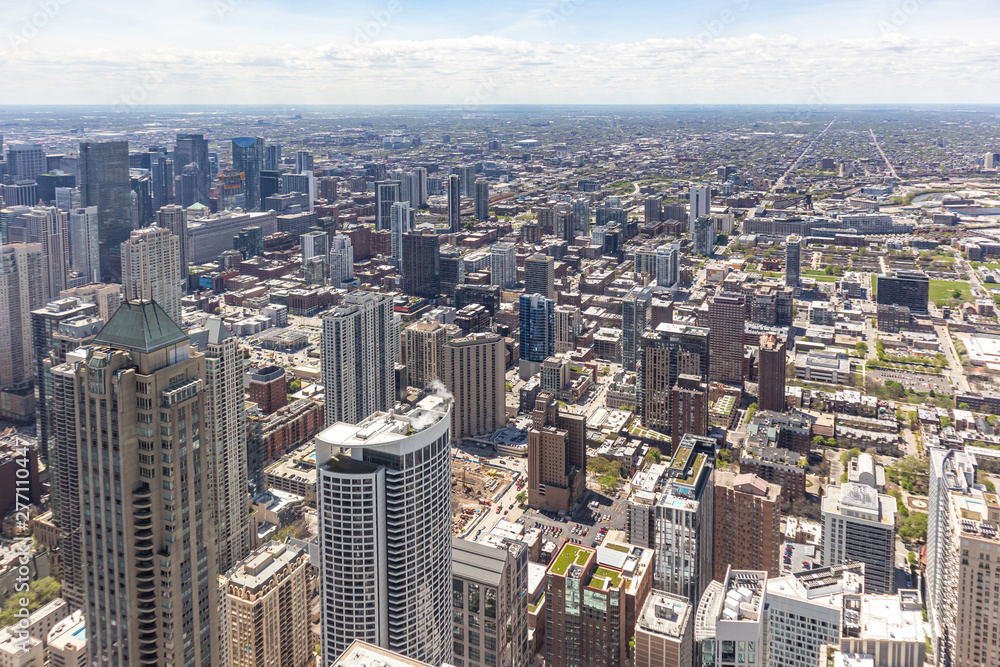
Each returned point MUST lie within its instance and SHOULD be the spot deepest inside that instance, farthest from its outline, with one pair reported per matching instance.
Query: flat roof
(665, 614)
(477, 562)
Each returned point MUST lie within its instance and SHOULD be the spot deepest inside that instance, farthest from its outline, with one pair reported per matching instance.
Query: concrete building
(474, 374)
(583, 600)
(21, 291)
(539, 275)
(730, 626)
(104, 183)
(400, 219)
(358, 357)
(66, 643)
(859, 526)
(141, 366)
(384, 501)
(569, 324)
(636, 316)
(664, 632)
(726, 322)
(667, 352)
(703, 236)
(668, 264)
(903, 288)
(84, 257)
(16, 651)
(267, 595)
(689, 408)
(536, 317)
(793, 261)
(425, 352)
(482, 199)
(503, 265)
(454, 190)
(421, 265)
(341, 261)
(490, 604)
(683, 520)
(557, 456)
(175, 219)
(747, 524)
(771, 376)
(151, 269)
(700, 204)
(268, 388)
(364, 654)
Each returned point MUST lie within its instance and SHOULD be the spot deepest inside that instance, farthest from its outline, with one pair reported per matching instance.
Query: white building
(399, 224)
(67, 642)
(151, 266)
(83, 243)
(503, 264)
(17, 651)
(668, 264)
(384, 501)
(859, 526)
(700, 203)
(730, 621)
(341, 260)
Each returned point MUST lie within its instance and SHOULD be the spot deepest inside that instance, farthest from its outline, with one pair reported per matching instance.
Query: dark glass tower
(104, 183)
(248, 158)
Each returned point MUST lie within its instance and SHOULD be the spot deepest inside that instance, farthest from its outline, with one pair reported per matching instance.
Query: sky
(481, 52)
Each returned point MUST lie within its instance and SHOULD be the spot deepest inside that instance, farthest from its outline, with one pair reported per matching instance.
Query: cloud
(891, 68)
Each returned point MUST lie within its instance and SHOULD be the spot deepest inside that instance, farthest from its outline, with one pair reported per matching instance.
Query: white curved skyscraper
(384, 499)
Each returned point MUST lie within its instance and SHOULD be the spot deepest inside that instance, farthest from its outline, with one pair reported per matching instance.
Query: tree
(752, 409)
(914, 529)
(40, 592)
(983, 478)
(521, 497)
(957, 294)
(819, 440)
(945, 419)
(853, 453)
(862, 348)
(608, 482)
(653, 456)
(295, 385)
(601, 466)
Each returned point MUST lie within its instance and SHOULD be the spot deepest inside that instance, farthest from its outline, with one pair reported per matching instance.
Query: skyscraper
(793, 260)
(22, 290)
(272, 157)
(467, 176)
(482, 199)
(668, 265)
(904, 288)
(859, 526)
(314, 244)
(636, 312)
(747, 524)
(454, 203)
(387, 193)
(664, 631)
(731, 619)
(703, 235)
(700, 197)
(104, 183)
(726, 322)
(473, 371)
(358, 357)
(47, 226)
(503, 264)
(539, 275)
(771, 377)
(84, 243)
(421, 186)
(400, 217)
(192, 149)
(226, 437)
(341, 260)
(667, 352)
(142, 370)
(536, 316)
(581, 216)
(425, 341)
(25, 161)
(248, 159)
(688, 407)
(384, 503)
(569, 324)
(683, 518)
(421, 265)
(557, 456)
(175, 219)
(151, 269)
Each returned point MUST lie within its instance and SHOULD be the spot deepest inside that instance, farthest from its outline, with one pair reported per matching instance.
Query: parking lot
(799, 557)
(589, 524)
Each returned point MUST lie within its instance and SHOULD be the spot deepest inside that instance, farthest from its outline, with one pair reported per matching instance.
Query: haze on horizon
(511, 52)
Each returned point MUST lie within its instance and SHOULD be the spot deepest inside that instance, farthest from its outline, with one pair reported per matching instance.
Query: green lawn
(941, 290)
(874, 286)
(602, 574)
(569, 555)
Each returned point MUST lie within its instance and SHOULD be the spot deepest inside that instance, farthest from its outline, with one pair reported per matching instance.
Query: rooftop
(571, 554)
(363, 654)
(665, 614)
(141, 326)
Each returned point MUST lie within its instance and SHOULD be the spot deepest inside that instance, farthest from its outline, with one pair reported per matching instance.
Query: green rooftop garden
(680, 458)
(534, 607)
(603, 574)
(571, 554)
(699, 463)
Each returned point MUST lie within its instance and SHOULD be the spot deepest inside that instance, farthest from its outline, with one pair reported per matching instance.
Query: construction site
(475, 487)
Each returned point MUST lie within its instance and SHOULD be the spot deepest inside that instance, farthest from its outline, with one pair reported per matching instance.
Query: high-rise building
(272, 157)
(175, 219)
(454, 203)
(226, 437)
(700, 198)
(668, 265)
(268, 388)
(106, 297)
(303, 161)
(859, 526)
(703, 236)
(421, 265)
(474, 374)
(664, 631)
(387, 193)
(192, 149)
(248, 159)
(46, 226)
(503, 264)
(25, 161)
(581, 216)
(903, 288)
(793, 260)
(425, 341)
(151, 269)
(249, 242)
(667, 352)
(420, 187)
(358, 358)
(771, 377)
(569, 324)
(341, 260)
(536, 317)
(84, 243)
(653, 209)
(467, 177)
(104, 183)
(747, 531)
(452, 269)
(636, 312)
(22, 290)
(384, 503)
(731, 620)
(482, 199)
(44, 324)
(557, 456)
(584, 602)
(314, 244)
(267, 597)
(401, 217)
(539, 275)
(142, 369)
(689, 402)
(48, 183)
(490, 586)
(726, 322)
(69, 199)
(683, 520)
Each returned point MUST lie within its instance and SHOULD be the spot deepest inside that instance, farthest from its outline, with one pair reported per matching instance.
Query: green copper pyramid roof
(140, 326)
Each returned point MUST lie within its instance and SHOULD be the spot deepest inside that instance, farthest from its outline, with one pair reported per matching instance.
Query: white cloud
(893, 68)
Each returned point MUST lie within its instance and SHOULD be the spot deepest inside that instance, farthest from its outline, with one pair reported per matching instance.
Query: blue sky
(500, 51)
